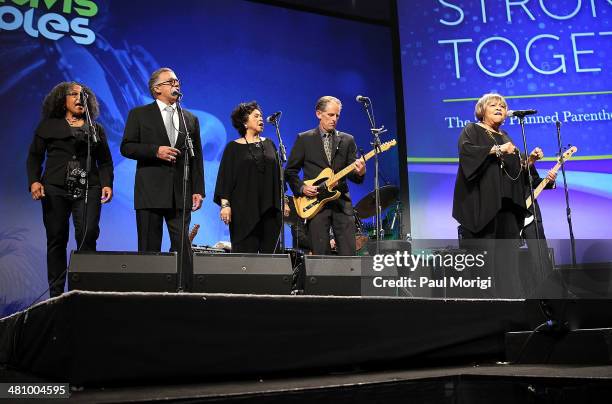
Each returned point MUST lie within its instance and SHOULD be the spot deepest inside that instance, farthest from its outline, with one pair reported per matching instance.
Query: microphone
(89, 131)
(83, 97)
(176, 93)
(362, 99)
(274, 117)
(520, 113)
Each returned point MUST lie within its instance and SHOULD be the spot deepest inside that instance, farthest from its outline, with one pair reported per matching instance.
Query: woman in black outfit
(61, 139)
(248, 185)
(489, 199)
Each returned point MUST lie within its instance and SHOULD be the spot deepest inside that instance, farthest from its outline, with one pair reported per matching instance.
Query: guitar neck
(347, 170)
(542, 185)
(193, 232)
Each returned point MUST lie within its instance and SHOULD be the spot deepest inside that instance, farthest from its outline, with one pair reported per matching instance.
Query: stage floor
(431, 385)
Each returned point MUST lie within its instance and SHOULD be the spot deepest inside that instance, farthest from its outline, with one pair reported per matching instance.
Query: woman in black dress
(61, 141)
(489, 197)
(489, 200)
(248, 185)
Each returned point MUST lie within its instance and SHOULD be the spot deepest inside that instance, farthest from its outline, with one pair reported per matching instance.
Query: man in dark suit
(314, 151)
(155, 137)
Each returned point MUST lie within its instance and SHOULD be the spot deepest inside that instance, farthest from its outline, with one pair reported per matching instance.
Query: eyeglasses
(171, 82)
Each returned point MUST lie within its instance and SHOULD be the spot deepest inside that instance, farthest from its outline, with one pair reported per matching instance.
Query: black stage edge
(126, 339)
(452, 385)
(106, 338)
(591, 346)
(499, 383)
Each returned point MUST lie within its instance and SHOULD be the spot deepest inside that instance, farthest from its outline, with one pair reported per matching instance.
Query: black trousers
(299, 234)
(264, 236)
(540, 265)
(149, 223)
(500, 239)
(343, 225)
(57, 209)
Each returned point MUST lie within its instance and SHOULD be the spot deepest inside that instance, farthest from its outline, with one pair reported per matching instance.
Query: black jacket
(479, 183)
(308, 155)
(54, 141)
(159, 183)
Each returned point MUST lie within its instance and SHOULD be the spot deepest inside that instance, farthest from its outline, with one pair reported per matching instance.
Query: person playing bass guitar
(313, 151)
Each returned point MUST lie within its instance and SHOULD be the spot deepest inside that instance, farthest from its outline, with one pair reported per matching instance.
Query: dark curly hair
(240, 115)
(54, 105)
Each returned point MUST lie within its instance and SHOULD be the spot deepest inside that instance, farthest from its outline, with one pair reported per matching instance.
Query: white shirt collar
(162, 106)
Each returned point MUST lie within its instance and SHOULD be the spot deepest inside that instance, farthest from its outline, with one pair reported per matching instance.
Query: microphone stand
(567, 204)
(376, 132)
(281, 156)
(540, 262)
(186, 160)
(91, 137)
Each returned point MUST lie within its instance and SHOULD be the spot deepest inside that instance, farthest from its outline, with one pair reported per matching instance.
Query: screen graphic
(548, 55)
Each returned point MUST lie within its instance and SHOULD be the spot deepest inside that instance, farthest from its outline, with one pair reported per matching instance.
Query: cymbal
(366, 207)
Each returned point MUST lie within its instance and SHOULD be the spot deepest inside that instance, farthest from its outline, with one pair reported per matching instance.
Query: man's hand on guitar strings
(310, 190)
(360, 167)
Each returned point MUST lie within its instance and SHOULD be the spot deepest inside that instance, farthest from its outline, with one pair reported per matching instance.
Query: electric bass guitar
(308, 206)
(537, 190)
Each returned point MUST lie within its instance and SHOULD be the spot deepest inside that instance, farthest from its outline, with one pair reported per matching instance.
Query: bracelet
(498, 152)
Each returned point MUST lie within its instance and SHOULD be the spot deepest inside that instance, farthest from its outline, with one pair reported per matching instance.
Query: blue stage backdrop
(549, 55)
(224, 52)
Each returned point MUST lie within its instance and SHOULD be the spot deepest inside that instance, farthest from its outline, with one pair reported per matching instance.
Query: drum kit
(365, 210)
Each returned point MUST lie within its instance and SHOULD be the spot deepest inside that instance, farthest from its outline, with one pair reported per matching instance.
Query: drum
(361, 237)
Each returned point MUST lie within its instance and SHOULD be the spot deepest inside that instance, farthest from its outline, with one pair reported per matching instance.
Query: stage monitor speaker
(345, 276)
(121, 271)
(242, 273)
(389, 246)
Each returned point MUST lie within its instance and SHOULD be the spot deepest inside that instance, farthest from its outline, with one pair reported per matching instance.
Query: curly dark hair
(54, 105)
(240, 115)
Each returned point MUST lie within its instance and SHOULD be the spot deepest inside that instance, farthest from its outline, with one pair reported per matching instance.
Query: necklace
(490, 132)
(256, 140)
(72, 121)
(258, 163)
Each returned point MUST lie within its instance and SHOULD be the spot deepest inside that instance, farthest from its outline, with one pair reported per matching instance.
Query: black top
(249, 179)
(481, 183)
(59, 143)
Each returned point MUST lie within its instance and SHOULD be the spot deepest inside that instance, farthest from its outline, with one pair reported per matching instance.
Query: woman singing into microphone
(62, 140)
(248, 185)
(489, 199)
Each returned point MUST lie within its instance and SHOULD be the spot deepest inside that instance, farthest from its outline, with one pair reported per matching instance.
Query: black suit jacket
(159, 184)
(308, 155)
(53, 141)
